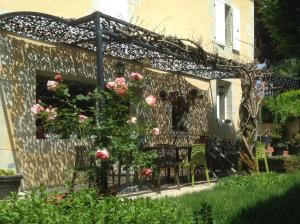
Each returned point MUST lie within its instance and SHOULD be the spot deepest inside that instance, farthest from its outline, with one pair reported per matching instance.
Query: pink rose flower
(136, 76)
(52, 114)
(52, 85)
(147, 172)
(110, 85)
(155, 131)
(120, 80)
(151, 101)
(58, 77)
(121, 89)
(36, 108)
(82, 118)
(102, 154)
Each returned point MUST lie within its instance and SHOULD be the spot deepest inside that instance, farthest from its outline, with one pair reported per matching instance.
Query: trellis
(110, 36)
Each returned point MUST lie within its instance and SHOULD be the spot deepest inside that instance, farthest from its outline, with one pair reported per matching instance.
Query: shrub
(86, 207)
(282, 164)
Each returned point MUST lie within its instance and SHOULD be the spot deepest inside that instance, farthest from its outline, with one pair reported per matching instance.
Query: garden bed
(265, 198)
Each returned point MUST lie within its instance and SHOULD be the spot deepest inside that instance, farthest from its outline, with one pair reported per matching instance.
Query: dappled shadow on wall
(279, 209)
(39, 161)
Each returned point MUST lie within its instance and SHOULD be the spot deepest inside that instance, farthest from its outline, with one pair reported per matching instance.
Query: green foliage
(283, 164)
(7, 172)
(235, 199)
(282, 20)
(86, 207)
(288, 68)
(204, 215)
(286, 105)
(108, 117)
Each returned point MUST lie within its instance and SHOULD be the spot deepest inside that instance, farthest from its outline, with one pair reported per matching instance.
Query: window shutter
(2, 11)
(114, 8)
(236, 29)
(220, 22)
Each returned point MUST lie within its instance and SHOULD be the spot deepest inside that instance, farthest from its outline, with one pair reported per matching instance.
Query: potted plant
(280, 148)
(9, 182)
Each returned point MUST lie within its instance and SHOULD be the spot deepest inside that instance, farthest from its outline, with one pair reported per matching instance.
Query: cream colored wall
(39, 161)
(191, 19)
(45, 161)
(63, 8)
(194, 19)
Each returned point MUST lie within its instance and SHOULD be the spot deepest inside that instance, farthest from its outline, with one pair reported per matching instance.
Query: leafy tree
(277, 25)
(282, 20)
(286, 106)
(288, 68)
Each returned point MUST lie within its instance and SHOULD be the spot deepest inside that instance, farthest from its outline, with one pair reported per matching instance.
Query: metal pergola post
(99, 52)
(103, 175)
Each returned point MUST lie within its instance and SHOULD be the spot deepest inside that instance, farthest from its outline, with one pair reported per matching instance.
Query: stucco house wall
(45, 161)
(192, 19)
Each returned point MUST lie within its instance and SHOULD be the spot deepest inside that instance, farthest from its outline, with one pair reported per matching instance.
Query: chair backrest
(198, 154)
(260, 151)
(166, 156)
(83, 160)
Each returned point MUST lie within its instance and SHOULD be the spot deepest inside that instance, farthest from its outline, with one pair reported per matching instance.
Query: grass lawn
(265, 198)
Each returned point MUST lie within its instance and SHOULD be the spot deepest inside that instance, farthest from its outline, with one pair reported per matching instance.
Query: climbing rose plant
(117, 118)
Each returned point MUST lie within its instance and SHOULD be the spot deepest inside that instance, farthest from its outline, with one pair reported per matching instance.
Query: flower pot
(270, 150)
(285, 153)
(279, 148)
(9, 184)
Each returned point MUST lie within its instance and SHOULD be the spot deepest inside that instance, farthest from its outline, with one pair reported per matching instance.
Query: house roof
(127, 41)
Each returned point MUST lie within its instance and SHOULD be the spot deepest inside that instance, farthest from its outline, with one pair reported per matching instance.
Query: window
(221, 103)
(114, 8)
(47, 97)
(224, 101)
(227, 25)
(180, 110)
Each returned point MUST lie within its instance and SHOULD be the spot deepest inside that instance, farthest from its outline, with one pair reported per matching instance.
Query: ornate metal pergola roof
(107, 35)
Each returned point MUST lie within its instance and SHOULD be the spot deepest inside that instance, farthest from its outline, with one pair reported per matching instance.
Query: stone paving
(172, 191)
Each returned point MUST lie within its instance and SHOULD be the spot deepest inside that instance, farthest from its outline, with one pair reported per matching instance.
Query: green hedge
(86, 207)
(282, 164)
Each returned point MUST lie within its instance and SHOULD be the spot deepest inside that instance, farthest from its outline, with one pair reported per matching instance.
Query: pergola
(106, 35)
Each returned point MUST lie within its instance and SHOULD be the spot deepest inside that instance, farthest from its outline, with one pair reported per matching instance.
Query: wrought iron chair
(167, 158)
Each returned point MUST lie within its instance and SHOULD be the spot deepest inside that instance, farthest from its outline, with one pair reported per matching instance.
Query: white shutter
(220, 22)
(114, 8)
(236, 29)
(2, 11)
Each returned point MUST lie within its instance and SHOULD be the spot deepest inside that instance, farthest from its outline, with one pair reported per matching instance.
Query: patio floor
(172, 191)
